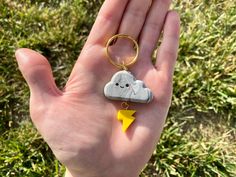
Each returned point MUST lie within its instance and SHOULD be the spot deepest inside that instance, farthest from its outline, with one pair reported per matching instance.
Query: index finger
(107, 22)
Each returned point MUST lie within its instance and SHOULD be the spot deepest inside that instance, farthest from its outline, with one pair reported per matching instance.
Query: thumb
(37, 72)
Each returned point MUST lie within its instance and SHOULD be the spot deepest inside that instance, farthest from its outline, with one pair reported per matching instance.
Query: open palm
(79, 123)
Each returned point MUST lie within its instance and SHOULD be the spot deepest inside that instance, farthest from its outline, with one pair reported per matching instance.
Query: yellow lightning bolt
(127, 117)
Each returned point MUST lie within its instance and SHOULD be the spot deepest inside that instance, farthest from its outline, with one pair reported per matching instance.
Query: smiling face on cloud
(124, 87)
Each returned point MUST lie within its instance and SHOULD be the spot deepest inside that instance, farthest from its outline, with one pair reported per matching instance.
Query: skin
(79, 123)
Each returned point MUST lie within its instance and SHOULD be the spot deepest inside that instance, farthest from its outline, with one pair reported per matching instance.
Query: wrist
(77, 174)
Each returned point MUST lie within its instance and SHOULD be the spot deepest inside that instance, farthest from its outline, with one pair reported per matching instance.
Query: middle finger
(134, 17)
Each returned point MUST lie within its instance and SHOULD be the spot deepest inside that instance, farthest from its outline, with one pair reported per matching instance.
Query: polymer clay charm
(123, 86)
(126, 116)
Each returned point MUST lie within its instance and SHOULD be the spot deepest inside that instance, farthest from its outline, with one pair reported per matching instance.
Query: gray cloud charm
(124, 87)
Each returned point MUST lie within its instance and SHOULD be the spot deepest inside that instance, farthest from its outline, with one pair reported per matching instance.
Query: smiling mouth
(122, 87)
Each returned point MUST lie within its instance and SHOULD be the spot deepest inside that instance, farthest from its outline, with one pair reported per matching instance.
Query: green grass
(199, 137)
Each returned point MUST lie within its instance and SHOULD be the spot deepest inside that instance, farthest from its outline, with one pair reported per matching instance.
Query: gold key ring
(122, 65)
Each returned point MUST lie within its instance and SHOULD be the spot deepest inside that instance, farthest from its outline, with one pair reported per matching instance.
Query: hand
(79, 123)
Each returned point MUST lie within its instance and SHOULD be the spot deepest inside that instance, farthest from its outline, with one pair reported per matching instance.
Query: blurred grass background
(200, 134)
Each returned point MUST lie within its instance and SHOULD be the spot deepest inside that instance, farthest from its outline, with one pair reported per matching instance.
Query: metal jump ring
(122, 65)
(125, 105)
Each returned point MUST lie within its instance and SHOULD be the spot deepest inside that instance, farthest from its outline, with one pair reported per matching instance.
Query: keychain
(124, 86)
